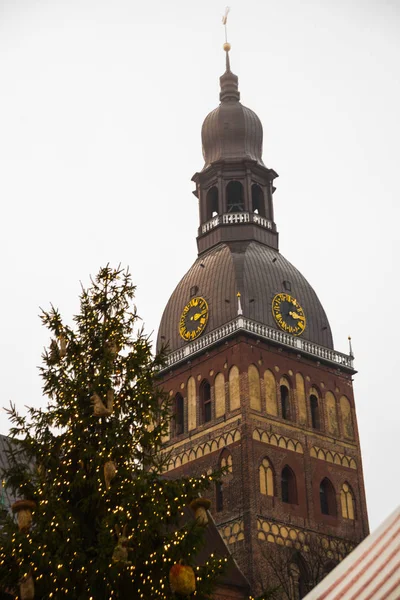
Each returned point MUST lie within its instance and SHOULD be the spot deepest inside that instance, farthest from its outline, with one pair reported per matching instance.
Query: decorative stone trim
(232, 532)
(280, 534)
(310, 349)
(333, 457)
(203, 449)
(277, 440)
(294, 537)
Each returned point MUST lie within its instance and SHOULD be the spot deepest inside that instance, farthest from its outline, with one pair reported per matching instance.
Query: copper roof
(231, 131)
(258, 273)
(370, 572)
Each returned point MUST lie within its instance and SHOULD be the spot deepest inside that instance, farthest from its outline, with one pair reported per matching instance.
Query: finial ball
(227, 46)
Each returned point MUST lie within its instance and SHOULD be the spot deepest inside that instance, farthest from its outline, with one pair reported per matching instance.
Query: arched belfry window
(257, 200)
(315, 412)
(212, 203)
(234, 197)
(179, 414)
(288, 486)
(285, 403)
(327, 498)
(205, 401)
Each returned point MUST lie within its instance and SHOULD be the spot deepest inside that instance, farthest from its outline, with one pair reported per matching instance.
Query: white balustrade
(263, 331)
(236, 219)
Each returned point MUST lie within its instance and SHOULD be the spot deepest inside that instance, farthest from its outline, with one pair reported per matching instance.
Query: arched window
(219, 496)
(234, 197)
(327, 498)
(212, 203)
(205, 401)
(347, 502)
(298, 579)
(226, 461)
(315, 414)
(266, 478)
(285, 403)
(179, 414)
(257, 200)
(288, 486)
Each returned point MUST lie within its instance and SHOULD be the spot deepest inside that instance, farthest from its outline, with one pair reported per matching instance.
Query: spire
(240, 311)
(350, 348)
(228, 81)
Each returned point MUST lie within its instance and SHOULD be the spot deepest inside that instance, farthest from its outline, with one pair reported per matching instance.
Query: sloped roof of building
(370, 572)
(214, 544)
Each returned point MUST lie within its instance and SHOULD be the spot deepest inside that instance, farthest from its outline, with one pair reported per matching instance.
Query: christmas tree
(95, 518)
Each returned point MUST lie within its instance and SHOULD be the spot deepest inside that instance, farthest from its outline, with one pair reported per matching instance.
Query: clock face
(288, 314)
(193, 319)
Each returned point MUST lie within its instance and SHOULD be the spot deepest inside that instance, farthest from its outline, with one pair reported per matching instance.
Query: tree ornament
(121, 550)
(27, 588)
(112, 348)
(54, 354)
(99, 410)
(110, 469)
(110, 400)
(63, 345)
(182, 579)
(200, 507)
(23, 510)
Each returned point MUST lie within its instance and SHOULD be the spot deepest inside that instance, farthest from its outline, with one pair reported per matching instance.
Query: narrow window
(212, 203)
(219, 496)
(257, 200)
(315, 416)
(266, 478)
(226, 462)
(347, 502)
(327, 498)
(288, 486)
(285, 403)
(179, 415)
(205, 401)
(234, 196)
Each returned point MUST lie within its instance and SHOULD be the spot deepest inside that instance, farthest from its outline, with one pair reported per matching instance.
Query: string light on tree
(105, 522)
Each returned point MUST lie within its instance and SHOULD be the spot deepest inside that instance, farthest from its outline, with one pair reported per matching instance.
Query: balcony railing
(236, 219)
(241, 323)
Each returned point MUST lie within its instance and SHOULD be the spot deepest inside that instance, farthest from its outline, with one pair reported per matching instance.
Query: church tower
(256, 383)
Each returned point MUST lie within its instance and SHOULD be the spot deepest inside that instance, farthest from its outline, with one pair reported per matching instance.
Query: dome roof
(258, 273)
(231, 131)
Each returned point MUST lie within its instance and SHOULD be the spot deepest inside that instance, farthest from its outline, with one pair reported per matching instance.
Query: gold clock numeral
(193, 319)
(288, 314)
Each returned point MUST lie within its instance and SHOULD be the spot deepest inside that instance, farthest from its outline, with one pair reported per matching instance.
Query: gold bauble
(227, 46)
(27, 588)
(23, 509)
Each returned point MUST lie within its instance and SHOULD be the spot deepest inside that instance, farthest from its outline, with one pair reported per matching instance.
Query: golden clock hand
(197, 316)
(295, 315)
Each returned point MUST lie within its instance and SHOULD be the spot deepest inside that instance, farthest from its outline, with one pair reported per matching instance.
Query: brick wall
(250, 435)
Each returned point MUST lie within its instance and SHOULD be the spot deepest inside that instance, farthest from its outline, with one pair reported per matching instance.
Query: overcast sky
(101, 106)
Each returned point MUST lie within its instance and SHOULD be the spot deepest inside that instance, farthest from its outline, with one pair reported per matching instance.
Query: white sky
(101, 106)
